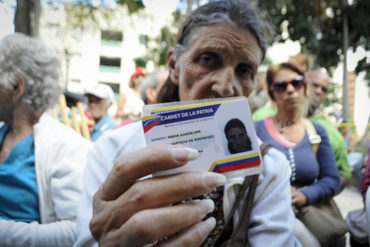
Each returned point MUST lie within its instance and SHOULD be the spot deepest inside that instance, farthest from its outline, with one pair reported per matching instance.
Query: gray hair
(239, 13)
(152, 80)
(30, 59)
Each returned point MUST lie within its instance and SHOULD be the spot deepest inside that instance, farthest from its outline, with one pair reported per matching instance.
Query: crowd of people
(59, 189)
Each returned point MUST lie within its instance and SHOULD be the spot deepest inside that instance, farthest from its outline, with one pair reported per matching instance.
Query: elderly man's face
(318, 86)
(221, 61)
(97, 107)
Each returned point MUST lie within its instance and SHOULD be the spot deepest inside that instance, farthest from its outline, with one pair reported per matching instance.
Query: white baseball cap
(101, 91)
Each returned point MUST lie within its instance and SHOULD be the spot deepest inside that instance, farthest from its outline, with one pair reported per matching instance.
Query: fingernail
(206, 205)
(211, 222)
(212, 180)
(184, 154)
(206, 226)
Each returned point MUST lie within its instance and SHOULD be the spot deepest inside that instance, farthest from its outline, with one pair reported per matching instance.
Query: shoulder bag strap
(240, 234)
(221, 239)
(315, 139)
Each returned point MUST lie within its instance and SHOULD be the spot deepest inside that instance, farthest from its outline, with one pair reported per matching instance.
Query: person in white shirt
(219, 48)
(41, 160)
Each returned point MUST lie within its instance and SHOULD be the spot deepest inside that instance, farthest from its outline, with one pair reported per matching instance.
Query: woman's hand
(298, 198)
(132, 212)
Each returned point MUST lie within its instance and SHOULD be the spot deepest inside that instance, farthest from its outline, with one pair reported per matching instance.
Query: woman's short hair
(234, 12)
(274, 69)
(29, 59)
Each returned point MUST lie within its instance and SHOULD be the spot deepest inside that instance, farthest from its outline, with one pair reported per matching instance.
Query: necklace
(283, 124)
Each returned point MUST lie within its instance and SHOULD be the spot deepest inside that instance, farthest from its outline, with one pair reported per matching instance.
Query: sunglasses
(324, 89)
(281, 86)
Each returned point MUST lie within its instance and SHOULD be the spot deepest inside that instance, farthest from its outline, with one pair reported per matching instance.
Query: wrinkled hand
(298, 198)
(132, 212)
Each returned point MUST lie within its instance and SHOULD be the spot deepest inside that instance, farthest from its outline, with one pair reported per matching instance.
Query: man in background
(318, 87)
(99, 98)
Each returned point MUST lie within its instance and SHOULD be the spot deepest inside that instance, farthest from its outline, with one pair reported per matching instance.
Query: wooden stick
(63, 107)
(84, 128)
(75, 124)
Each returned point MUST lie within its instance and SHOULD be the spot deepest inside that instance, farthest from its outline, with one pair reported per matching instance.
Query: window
(111, 38)
(110, 64)
(143, 39)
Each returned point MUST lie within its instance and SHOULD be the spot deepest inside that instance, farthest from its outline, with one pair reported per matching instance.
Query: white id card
(221, 130)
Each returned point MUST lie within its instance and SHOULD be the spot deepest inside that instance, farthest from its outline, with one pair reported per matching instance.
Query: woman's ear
(172, 69)
(18, 89)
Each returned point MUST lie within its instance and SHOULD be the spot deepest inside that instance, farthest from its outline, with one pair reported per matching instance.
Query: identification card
(221, 130)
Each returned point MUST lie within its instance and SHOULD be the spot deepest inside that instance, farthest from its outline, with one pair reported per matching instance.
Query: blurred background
(104, 41)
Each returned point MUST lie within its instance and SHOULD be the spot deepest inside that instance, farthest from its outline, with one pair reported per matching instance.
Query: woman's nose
(290, 88)
(224, 83)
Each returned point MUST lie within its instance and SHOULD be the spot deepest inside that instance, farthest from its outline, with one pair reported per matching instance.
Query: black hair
(234, 123)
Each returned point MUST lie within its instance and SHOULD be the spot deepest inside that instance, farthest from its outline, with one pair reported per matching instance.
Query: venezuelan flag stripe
(150, 121)
(236, 163)
(151, 125)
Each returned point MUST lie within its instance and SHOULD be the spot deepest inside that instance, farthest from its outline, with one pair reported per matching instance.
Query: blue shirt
(18, 186)
(100, 127)
(317, 176)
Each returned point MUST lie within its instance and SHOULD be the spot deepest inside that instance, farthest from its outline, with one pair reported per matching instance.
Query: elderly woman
(314, 176)
(41, 160)
(217, 53)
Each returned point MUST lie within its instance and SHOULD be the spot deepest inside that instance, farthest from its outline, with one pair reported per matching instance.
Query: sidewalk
(349, 199)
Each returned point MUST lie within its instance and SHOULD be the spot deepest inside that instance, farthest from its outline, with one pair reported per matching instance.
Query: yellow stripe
(190, 106)
(346, 125)
(236, 158)
(145, 118)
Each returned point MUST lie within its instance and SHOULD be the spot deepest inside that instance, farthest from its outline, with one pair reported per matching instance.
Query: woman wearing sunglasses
(313, 178)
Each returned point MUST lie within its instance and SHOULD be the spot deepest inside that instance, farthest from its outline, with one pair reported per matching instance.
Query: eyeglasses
(281, 86)
(324, 89)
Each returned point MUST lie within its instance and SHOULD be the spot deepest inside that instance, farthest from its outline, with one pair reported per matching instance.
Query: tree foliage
(318, 26)
(161, 44)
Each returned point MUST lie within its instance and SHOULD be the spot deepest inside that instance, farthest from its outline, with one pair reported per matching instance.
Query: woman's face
(291, 95)
(220, 61)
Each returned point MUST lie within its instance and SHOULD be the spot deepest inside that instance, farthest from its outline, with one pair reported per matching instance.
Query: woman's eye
(208, 59)
(243, 70)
